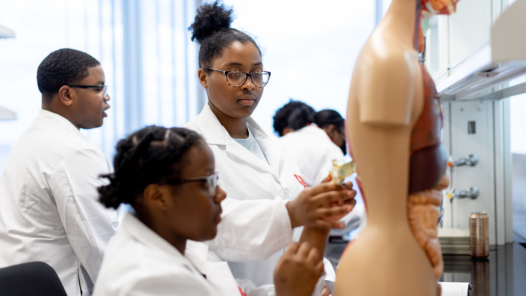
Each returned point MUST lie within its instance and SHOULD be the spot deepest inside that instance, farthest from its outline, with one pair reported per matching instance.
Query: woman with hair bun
(168, 176)
(252, 164)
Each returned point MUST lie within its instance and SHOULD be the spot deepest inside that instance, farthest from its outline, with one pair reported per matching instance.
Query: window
(144, 47)
(518, 150)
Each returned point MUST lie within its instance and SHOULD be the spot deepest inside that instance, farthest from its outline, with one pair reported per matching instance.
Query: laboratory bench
(502, 274)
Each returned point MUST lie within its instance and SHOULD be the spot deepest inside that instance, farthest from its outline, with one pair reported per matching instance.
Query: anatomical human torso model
(394, 123)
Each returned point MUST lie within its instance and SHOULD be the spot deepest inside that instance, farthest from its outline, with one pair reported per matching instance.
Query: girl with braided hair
(168, 176)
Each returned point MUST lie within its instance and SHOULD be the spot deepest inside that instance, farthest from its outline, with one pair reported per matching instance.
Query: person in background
(169, 177)
(251, 164)
(312, 138)
(291, 117)
(48, 192)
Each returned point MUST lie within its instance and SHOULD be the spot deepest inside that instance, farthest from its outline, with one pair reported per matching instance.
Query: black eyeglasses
(211, 182)
(99, 88)
(237, 78)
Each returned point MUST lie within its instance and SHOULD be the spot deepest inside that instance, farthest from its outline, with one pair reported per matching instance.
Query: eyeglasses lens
(259, 79)
(236, 78)
(212, 184)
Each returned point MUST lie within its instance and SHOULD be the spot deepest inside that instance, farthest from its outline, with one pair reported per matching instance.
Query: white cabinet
(469, 29)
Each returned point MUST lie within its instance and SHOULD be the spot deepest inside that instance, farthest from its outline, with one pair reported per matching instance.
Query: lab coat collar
(216, 134)
(272, 148)
(213, 131)
(148, 237)
(58, 119)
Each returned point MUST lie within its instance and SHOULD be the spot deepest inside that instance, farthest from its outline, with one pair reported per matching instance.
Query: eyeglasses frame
(246, 76)
(212, 190)
(104, 88)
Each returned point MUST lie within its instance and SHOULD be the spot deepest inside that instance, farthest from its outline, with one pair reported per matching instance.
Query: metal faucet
(472, 193)
(471, 160)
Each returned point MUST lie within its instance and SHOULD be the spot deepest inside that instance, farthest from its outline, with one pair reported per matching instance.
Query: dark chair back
(33, 278)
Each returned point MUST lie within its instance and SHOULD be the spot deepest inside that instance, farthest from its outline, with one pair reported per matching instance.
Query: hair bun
(210, 18)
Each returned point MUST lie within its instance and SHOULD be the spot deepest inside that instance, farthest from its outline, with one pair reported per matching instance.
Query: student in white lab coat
(312, 138)
(252, 165)
(315, 140)
(48, 198)
(169, 177)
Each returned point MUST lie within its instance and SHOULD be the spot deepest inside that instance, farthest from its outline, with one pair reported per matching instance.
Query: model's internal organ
(438, 6)
(433, 7)
(428, 156)
(427, 175)
(340, 171)
(423, 213)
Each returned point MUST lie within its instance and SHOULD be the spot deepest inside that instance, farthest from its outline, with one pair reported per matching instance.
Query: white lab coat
(138, 262)
(313, 152)
(244, 176)
(49, 209)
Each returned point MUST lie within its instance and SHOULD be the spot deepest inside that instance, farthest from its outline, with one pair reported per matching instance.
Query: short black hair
(62, 67)
(294, 114)
(328, 116)
(211, 29)
(152, 155)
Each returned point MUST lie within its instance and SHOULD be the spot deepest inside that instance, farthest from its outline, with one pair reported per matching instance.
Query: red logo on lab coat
(300, 179)
(241, 291)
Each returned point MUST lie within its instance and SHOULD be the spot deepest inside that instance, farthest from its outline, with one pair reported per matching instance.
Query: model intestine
(423, 214)
(432, 7)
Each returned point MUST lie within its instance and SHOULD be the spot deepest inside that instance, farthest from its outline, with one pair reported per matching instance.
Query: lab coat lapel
(271, 148)
(217, 273)
(211, 129)
(241, 154)
(146, 236)
(216, 134)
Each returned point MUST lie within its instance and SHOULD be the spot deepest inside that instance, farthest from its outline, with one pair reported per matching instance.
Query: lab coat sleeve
(87, 223)
(252, 229)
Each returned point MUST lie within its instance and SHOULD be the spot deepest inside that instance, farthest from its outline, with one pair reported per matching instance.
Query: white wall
(310, 48)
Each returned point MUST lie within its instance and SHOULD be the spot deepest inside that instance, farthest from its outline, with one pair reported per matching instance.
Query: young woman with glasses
(169, 178)
(252, 165)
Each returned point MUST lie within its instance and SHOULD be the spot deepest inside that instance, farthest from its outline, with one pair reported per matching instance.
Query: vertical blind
(144, 47)
(149, 61)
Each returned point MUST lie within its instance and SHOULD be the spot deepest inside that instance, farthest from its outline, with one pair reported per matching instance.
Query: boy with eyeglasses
(49, 209)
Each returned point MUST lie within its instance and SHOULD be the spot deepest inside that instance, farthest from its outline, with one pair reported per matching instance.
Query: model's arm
(88, 225)
(387, 87)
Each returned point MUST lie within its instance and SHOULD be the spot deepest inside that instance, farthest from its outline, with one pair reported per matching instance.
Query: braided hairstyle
(152, 155)
(211, 29)
(294, 114)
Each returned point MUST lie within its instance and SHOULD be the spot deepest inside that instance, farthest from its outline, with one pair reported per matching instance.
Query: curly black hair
(62, 67)
(328, 116)
(211, 29)
(152, 155)
(294, 114)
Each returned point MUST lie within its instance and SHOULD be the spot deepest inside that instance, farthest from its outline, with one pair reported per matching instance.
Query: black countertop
(502, 274)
